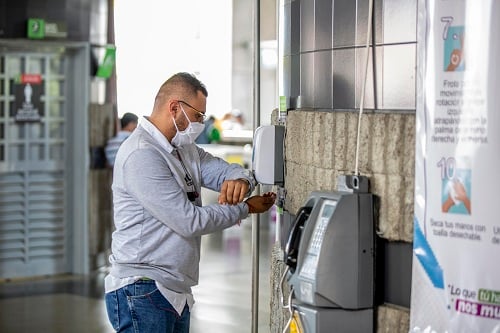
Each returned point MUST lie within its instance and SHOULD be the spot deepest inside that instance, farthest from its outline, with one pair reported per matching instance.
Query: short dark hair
(128, 118)
(189, 82)
(180, 86)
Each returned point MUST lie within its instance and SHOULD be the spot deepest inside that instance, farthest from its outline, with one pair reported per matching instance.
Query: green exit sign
(39, 29)
(36, 28)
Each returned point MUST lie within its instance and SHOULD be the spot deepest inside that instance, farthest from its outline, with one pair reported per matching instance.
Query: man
(158, 213)
(128, 124)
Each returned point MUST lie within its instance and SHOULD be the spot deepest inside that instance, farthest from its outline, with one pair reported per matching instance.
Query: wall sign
(28, 89)
(456, 270)
(40, 29)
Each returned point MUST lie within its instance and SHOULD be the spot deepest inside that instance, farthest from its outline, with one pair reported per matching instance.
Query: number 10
(447, 167)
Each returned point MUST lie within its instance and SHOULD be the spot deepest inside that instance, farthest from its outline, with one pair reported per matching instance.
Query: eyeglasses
(200, 115)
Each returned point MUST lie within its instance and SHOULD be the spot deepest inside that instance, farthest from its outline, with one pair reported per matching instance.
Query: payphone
(331, 258)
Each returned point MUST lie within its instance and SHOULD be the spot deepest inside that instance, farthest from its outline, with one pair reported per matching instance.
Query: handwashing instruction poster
(456, 257)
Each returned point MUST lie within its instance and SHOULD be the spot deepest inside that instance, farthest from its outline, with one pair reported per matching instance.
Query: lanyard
(187, 177)
(192, 195)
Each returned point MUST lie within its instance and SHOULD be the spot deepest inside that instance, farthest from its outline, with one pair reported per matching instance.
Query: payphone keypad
(311, 259)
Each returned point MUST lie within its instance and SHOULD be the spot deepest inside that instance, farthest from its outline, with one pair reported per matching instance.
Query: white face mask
(192, 131)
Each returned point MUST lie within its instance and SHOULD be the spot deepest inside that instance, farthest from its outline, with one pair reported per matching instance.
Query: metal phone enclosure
(267, 155)
(318, 319)
(336, 260)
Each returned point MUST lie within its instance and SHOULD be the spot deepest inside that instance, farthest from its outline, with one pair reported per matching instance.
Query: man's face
(194, 111)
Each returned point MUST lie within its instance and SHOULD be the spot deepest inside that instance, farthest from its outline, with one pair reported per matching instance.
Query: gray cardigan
(158, 230)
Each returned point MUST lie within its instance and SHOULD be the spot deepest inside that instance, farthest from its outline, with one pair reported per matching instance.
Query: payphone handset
(293, 243)
(334, 266)
(292, 246)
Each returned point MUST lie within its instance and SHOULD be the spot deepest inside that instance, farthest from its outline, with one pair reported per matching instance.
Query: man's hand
(260, 203)
(233, 191)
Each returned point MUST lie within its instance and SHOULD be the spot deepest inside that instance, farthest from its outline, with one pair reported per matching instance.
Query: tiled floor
(223, 297)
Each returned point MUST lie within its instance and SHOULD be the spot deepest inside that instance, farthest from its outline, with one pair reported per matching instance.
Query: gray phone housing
(336, 259)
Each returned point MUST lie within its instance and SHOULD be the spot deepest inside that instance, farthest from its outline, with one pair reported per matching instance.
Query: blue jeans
(141, 308)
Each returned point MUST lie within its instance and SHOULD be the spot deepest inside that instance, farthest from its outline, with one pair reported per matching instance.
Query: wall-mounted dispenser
(267, 156)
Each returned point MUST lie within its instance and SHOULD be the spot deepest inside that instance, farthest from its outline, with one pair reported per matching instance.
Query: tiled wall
(324, 54)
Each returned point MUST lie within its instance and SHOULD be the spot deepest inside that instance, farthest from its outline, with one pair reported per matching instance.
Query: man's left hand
(233, 191)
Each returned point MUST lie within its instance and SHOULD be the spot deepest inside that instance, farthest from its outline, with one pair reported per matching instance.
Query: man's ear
(173, 106)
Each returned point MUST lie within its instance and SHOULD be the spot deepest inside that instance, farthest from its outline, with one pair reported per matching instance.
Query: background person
(233, 120)
(210, 134)
(128, 123)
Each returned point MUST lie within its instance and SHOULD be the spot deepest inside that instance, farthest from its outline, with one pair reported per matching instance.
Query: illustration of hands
(457, 194)
(459, 189)
(456, 56)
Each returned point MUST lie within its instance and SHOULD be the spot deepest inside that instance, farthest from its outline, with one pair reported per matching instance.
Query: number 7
(448, 20)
